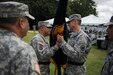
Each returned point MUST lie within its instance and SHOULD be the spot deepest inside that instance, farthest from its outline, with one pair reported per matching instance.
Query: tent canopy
(88, 20)
(91, 19)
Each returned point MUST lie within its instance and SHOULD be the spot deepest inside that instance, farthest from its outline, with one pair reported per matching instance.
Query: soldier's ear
(21, 22)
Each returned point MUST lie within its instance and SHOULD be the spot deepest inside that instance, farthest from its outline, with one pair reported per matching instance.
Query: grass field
(94, 62)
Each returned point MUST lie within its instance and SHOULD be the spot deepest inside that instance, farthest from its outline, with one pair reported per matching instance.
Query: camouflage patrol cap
(42, 23)
(12, 9)
(74, 16)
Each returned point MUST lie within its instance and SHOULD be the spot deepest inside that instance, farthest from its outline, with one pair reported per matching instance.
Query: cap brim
(109, 23)
(68, 21)
(31, 17)
(49, 26)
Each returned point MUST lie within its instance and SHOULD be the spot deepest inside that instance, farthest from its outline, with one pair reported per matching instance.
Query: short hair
(8, 20)
(79, 22)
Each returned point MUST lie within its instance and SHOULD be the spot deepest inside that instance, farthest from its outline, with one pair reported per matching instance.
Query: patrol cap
(110, 22)
(12, 9)
(74, 16)
(42, 23)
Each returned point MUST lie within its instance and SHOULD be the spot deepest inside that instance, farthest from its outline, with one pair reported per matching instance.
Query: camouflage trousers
(75, 70)
(45, 70)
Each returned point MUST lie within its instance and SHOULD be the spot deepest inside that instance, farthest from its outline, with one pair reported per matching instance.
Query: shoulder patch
(40, 45)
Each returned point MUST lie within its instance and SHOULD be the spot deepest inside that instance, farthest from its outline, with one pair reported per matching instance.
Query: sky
(104, 8)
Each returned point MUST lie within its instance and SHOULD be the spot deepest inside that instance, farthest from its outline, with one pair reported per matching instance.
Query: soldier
(42, 47)
(108, 65)
(77, 48)
(16, 56)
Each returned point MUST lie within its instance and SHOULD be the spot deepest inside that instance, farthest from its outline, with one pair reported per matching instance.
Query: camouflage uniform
(44, 52)
(108, 65)
(76, 50)
(16, 56)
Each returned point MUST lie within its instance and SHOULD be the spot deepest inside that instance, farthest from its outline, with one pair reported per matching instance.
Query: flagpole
(59, 21)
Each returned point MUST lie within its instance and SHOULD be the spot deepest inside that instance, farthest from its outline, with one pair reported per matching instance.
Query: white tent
(91, 19)
(52, 20)
(88, 20)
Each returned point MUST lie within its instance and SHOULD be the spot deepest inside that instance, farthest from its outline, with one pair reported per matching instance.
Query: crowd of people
(20, 58)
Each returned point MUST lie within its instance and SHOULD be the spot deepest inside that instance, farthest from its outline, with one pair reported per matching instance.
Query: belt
(74, 63)
(44, 63)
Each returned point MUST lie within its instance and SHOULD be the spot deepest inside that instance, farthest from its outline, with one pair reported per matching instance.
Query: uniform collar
(42, 36)
(74, 34)
(8, 32)
(44, 39)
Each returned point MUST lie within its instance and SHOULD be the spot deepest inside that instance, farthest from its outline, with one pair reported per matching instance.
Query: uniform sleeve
(46, 51)
(107, 68)
(42, 49)
(110, 69)
(79, 50)
(26, 62)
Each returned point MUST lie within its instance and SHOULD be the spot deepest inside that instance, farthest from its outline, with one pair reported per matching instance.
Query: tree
(83, 7)
(40, 9)
(46, 9)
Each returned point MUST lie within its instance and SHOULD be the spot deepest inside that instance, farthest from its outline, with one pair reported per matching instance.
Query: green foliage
(29, 36)
(46, 9)
(83, 7)
(43, 9)
(40, 9)
(95, 61)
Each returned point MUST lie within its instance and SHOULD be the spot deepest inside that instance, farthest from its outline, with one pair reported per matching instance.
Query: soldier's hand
(59, 38)
(58, 45)
(37, 69)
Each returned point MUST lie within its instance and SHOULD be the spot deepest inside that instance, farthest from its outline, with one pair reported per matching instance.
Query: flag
(59, 27)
